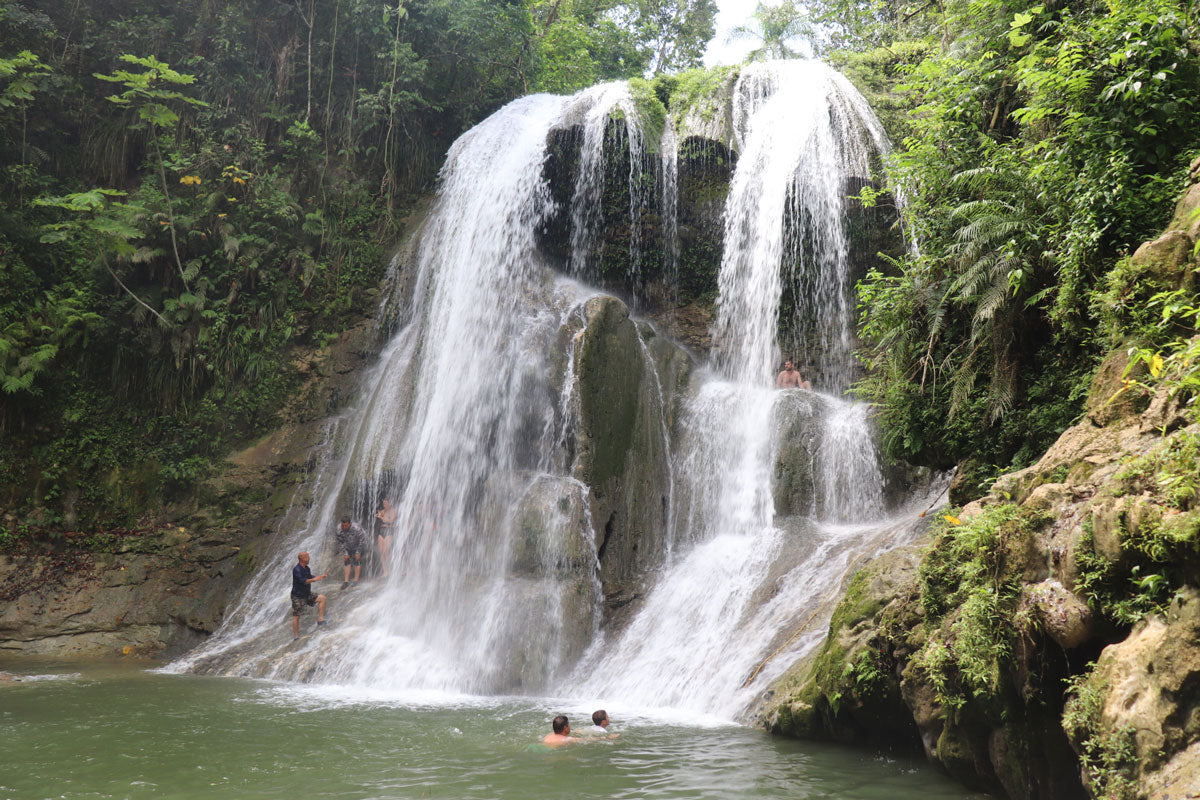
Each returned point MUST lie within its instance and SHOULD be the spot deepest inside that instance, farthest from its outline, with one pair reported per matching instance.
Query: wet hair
(560, 724)
(345, 520)
(599, 716)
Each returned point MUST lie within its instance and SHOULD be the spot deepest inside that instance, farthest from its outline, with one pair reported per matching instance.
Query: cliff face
(1043, 643)
(161, 588)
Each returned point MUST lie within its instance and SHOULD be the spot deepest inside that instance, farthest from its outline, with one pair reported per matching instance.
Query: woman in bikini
(387, 518)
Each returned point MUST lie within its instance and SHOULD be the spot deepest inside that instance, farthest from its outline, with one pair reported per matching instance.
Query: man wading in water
(302, 595)
(561, 733)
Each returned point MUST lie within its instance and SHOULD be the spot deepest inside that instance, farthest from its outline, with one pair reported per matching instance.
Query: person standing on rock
(352, 540)
(387, 519)
(791, 378)
(302, 596)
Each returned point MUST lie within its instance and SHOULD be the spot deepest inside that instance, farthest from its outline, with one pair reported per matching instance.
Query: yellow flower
(222, 216)
(1156, 365)
(952, 520)
(190, 180)
(236, 179)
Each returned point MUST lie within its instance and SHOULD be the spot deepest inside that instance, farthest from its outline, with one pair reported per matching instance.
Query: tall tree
(677, 31)
(778, 29)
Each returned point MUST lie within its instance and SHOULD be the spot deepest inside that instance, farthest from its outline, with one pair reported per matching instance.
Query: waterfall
(595, 109)
(804, 133)
(483, 425)
(460, 425)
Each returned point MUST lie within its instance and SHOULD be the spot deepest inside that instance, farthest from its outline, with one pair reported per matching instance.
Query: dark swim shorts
(298, 604)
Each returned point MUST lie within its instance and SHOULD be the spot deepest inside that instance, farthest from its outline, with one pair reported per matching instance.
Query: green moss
(697, 90)
(652, 114)
(969, 582)
(1159, 556)
(246, 559)
(1158, 527)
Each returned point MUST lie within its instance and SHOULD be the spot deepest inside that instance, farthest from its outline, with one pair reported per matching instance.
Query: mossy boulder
(630, 383)
(849, 690)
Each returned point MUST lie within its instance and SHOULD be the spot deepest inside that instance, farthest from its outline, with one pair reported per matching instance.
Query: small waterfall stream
(473, 424)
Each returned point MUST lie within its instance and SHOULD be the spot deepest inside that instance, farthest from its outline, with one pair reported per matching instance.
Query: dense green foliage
(1038, 145)
(969, 591)
(191, 191)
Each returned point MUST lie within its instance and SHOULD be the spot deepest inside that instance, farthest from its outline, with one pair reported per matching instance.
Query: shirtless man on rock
(791, 378)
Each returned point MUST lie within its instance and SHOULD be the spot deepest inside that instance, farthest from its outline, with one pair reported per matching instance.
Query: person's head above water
(600, 717)
(303, 558)
(560, 725)
(787, 365)
(345, 522)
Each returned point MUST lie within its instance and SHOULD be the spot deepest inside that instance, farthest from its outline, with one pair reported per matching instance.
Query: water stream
(471, 423)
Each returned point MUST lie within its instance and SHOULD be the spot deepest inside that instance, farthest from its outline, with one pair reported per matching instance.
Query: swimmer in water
(600, 723)
(561, 733)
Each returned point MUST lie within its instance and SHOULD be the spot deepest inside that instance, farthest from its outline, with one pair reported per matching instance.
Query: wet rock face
(154, 595)
(628, 395)
(797, 425)
(626, 228)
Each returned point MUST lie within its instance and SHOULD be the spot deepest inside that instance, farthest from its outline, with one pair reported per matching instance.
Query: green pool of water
(111, 731)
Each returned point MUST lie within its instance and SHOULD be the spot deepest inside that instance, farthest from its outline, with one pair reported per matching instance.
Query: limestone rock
(1109, 398)
(817, 698)
(1152, 690)
(1185, 218)
(1163, 258)
(797, 417)
(1065, 618)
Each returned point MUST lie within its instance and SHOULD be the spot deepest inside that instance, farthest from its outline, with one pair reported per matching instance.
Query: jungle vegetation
(1037, 145)
(189, 190)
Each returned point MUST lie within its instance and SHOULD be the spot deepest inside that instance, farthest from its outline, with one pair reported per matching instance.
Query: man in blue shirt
(302, 595)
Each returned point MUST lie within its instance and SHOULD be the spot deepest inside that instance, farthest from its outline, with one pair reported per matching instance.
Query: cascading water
(804, 133)
(460, 422)
(472, 421)
(594, 109)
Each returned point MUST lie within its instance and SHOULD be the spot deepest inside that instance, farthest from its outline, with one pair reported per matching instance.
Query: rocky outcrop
(630, 382)
(158, 590)
(964, 657)
(1142, 704)
(978, 649)
(150, 595)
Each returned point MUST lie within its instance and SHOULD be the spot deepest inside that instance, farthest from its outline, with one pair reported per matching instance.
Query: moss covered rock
(630, 382)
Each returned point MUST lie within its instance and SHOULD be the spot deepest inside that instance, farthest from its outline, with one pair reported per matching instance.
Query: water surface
(111, 731)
